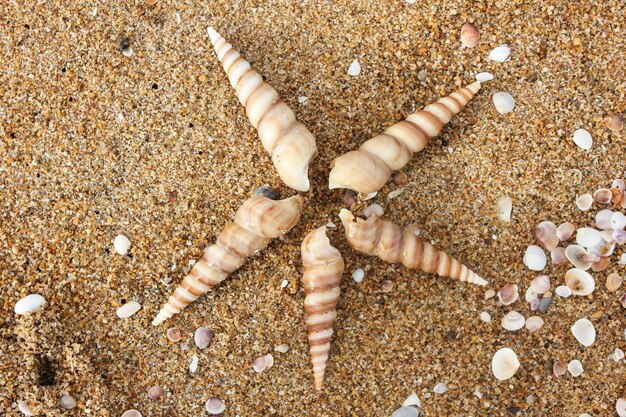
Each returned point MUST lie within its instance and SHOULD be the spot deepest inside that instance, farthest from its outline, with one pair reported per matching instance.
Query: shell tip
(212, 33)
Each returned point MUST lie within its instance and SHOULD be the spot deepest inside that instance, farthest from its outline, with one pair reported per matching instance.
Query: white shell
(412, 399)
(500, 54)
(588, 237)
(584, 332)
(481, 77)
(489, 294)
(374, 209)
(604, 248)
(68, 402)
(582, 139)
(486, 317)
(504, 364)
(618, 220)
(620, 407)
(559, 368)
(440, 388)
(513, 321)
(530, 294)
(508, 294)
(565, 231)
(613, 282)
(580, 282)
(131, 413)
(405, 412)
(214, 406)
(540, 284)
(155, 392)
(25, 408)
(575, 254)
(619, 236)
(618, 355)
(534, 323)
(193, 366)
(607, 235)
(575, 368)
(535, 258)
(603, 195)
(603, 219)
(504, 206)
(282, 348)
(355, 68)
(563, 291)
(262, 363)
(504, 102)
(128, 309)
(121, 244)
(29, 304)
(584, 202)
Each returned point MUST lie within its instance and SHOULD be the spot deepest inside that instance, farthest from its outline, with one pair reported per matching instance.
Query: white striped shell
(540, 284)
(575, 255)
(584, 332)
(535, 258)
(580, 282)
(584, 202)
(513, 321)
(215, 406)
(588, 237)
(504, 364)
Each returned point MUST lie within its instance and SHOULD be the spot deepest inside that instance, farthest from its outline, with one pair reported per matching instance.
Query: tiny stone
(68, 402)
(121, 244)
(355, 68)
(489, 294)
(284, 283)
(358, 275)
(486, 317)
(440, 388)
(400, 178)
(266, 191)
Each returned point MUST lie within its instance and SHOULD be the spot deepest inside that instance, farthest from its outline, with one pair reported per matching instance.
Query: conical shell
(366, 170)
(323, 268)
(546, 235)
(392, 244)
(258, 220)
(580, 282)
(289, 142)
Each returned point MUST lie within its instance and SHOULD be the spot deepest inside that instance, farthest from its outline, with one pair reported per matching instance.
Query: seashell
(405, 412)
(68, 402)
(500, 54)
(504, 206)
(29, 304)
(486, 317)
(579, 281)
(489, 294)
(266, 191)
(534, 323)
(604, 248)
(603, 219)
(622, 259)
(469, 35)
(540, 284)
(369, 196)
(559, 368)
(513, 321)
(575, 255)
(395, 193)
(323, 268)
(530, 294)
(284, 284)
(565, 231)
(545, 302)
(121, 244)
(613, 282)
(619, 183)
(619, 236)
(615, 122)
(508, 294)
(440, 388)
(504, 102)
(504, 364)
(482, 77)
(128, 309)
(546, 235)
(563, 291)
(25, 408)
(358, 275)
(590, 257)
(558, 256)
(535, 304)
(602, 196)
(173, 334)
(369, 168)
(584, 332)
(283, 348)
(400, 178)
(193, 366)
(202, 337)
(584, 202)
(262, 363)
(618, 355)
(607, 235)
(601, 265)
(155, 392)
(214, 406)
(575, 368)
(288, 141)
(622, 300)
(412, 399)
(131, 413)
(588, 237)
(617, 196)
(535, 258)
(386, 286)
(582, 139)
(620, 407)
(258, 220)
(373, 209)
(355, 68)
(618, 220)
(392, 244)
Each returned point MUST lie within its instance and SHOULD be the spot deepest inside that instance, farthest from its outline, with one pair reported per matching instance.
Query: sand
(155, 146)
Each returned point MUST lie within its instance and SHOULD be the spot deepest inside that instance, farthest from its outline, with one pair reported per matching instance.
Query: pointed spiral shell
(367, 169)
(392, 244)
(257, 221)
(288, 141)
(323, 267)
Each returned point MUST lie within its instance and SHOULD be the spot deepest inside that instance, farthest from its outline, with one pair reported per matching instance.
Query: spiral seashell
(258, 220)
(546, 235)
(392, 244)
(288, 141)
(367, 169)
(323, 267)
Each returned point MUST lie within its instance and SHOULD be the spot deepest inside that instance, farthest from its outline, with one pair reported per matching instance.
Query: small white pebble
(489, 294)
(358, 275)
(440, 388)
(128, 52)
(120, 117)
(302, 99)
(618, 355)
(484, 76)
(500, 54)
(68, 402)
(121, 244)
(486, 317)
(193, 366)
(29, 304)
(355, 68)
(575, 368)
(283, 348)
(284, 283)
(504, 102)
(478, 394)
(622, 259)
(411, 1)
(128, 309)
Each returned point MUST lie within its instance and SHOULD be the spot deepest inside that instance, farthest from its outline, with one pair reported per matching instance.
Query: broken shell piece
(530, 294)
(500, 54)
(620, 407)
(575, 255)
(613, 282)
(173, 334)
(603, 219)
(504, 364)
(504, 102)
(584, 202)
(508, 294)
(619, 236)
(469, 35)
(405, 412)
(540, 284)
(386, 286)
(615, 122)
(203, 337)
(619, 183)
(563, 291)
(591, 257)
(29, 304)
(559, 368)
(575, 368)
(485, 317)
(354, 69)
(588, 237)
(580, 282)
(601, 265)
(128, 309)
(504, 206)
(412, 399)
(558, 256)
(603, 196)
(482, 77)
(489, 294)
(262, 363)
(25, 408)
(534, 323)
(373, 209)
(584, 332)
(618, 220)
(214, 406)
(546, 235)
(565, 231)
(155, 392)
(607, 235)
(440, 388)
(617, 196)
(618, 355)
(193, 366)
(582, 139)
(535, 258)
(604, 248)
(513, 321)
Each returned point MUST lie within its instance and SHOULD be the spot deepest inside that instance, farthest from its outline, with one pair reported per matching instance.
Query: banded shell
(584, 332)
(513, 321)
(546, 235)
(202, 337)
(575, 368)
(504, 364)
(540, 284)
(535, 258)
(215, 406)
(575, 255)
(588, 237)
(558, 256)
(580, 282)
(508, 294)
(584, 202)
(613, 282)
(565, 231)
(469, 35)
(29, 304)
(559, 368)
(602, 196)
(534, 323)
